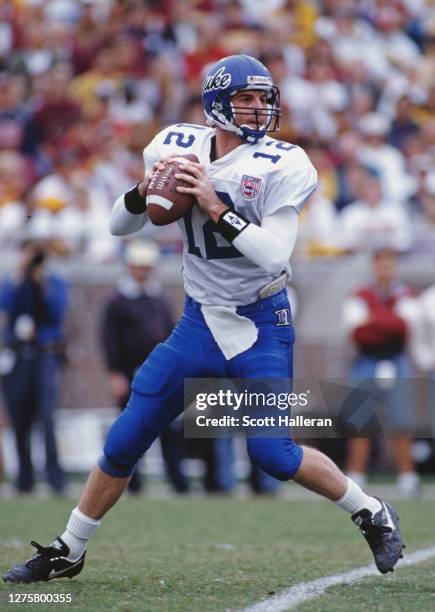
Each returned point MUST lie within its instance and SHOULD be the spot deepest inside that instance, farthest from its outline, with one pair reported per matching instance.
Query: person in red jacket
(377, 319)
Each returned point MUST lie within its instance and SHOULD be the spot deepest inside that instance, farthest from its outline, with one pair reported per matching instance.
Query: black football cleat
(49, 562)
(381, 530)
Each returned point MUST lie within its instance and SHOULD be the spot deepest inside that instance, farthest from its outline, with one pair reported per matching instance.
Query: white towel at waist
(232, 332)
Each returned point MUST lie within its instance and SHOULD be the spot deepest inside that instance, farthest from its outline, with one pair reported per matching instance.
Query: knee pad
(278, 457)
(122, 449)
(127, 440)
(133, 432)
(113, 469)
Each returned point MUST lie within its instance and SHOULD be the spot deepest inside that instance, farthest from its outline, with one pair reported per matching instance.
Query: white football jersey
(255, 180)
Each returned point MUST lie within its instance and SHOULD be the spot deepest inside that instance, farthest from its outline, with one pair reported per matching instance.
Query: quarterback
(238, 239)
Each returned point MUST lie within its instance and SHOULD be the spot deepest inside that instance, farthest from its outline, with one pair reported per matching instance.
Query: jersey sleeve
(175, 139)
(291, 185)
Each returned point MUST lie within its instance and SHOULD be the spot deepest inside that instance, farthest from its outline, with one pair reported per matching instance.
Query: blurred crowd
(84, 86)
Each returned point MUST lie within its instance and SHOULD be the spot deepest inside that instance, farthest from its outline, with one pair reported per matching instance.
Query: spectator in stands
(378, 319)
(424, 223)
(384, 159)
(14, 180)
(372, 219)
(426, 66)
(318, 228)
(55, 109)
(51, 195)
(35, 305)
(402, 126)
(82, 226)
(350, 36)
(70, 72)
(350, 173)
(89, 37)
(135, 319)
(421, 165)
(17, 126)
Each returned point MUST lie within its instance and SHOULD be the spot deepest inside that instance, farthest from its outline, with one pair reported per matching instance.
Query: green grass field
(216, 554)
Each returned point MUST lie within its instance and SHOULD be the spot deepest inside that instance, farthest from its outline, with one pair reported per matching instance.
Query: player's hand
(158, 165)
(143, 186)
(201, 187)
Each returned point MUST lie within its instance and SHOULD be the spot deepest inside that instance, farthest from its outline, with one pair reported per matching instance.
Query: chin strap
(243, 131)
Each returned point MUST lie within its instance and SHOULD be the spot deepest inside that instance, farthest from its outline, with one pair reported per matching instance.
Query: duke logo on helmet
(220, 79)
(238, 73)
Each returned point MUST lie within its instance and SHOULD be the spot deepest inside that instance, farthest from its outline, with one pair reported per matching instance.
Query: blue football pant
(191, 352)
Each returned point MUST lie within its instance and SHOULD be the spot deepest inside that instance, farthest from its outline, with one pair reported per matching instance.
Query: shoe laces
(374, 531)
(43, 552)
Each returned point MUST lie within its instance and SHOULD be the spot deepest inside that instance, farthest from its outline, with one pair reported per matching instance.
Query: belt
(274, 287)
(264, 304)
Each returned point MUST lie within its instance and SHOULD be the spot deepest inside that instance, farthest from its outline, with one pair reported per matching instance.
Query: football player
(238, 239)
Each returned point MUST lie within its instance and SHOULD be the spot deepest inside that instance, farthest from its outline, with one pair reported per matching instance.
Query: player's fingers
(160, 165)
(190, 168)
(186, 189)
(186, 177)
(193, 163)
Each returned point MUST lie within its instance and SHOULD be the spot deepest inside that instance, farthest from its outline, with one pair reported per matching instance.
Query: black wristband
(134, 202)
(231, 224)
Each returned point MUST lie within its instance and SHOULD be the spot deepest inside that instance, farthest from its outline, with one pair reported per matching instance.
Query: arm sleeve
(271, 245)
(123, 222)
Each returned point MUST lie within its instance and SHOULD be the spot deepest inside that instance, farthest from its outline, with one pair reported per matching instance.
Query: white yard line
(303, 591)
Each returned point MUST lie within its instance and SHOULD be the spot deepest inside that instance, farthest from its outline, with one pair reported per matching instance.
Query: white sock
(355, 499)
(79, 529)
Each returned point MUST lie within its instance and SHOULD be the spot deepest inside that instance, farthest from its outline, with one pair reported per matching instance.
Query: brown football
(164, 203)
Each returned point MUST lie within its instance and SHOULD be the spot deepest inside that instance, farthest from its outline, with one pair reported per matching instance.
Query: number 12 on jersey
(212, 249)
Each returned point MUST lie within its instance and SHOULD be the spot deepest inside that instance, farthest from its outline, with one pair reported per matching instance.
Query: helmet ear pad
(224, 107)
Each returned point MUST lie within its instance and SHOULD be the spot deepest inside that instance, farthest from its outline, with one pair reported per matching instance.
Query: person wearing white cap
(385, 159)
(135, 319)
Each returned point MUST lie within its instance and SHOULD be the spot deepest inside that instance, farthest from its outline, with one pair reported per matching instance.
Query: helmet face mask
(234, 74)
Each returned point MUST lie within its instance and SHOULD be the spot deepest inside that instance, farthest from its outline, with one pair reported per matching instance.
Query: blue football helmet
(230, 75)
